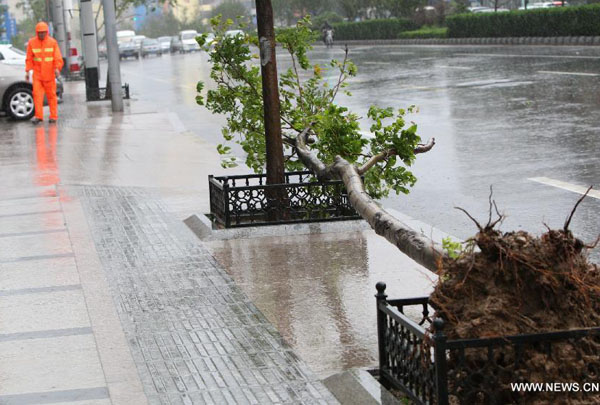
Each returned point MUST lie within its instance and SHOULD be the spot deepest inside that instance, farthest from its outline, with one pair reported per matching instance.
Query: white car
(188, 41)
(165, 44)
(234, 33)
(9, 55)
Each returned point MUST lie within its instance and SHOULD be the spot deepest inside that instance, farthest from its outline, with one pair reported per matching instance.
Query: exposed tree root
(518, 284)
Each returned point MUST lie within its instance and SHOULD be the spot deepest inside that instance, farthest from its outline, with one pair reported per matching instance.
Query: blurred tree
(288, 11)
(2, 10)
(402, 8)
(313, 7)
(284, 11)
(123, 15)
(161, 25)
(351, 8)
(330, 17)
(231, 9)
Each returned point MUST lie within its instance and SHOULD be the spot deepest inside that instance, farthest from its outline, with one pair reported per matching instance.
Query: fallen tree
(317, 133)
(513, 283)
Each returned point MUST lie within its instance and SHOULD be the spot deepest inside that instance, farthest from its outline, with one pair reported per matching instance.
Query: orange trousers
(39, 88)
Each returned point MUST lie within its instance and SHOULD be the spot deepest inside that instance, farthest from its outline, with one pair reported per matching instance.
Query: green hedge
(542, 22)
(425, 32)
(372, 29)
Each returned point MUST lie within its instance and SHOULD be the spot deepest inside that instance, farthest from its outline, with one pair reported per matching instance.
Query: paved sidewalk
(105, 296)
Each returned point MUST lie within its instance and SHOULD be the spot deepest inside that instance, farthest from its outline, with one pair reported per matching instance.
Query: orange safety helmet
(41, 27)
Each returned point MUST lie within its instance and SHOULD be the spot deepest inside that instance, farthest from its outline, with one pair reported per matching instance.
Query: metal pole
(59, 29)
(67, 5)
(270, 90)
(114, 69)
(90, 48)
(441, 370)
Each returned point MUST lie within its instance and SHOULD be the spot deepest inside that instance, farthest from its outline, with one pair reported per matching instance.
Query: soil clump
(516, 283)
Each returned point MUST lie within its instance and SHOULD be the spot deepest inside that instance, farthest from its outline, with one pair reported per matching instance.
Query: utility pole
(58, 17)
(90, 48)
(112, 48)
(270, 90)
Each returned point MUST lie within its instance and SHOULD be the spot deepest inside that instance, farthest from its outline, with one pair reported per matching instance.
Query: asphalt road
(525, 120)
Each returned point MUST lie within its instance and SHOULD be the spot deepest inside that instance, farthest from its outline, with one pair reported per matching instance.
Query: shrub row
(425, 32)
(543, 22)
(372, 29)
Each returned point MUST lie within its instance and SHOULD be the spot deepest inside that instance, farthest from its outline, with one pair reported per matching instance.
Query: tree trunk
(270, 90)
(414, 244)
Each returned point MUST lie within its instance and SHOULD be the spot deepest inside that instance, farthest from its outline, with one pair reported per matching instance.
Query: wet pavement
(105, 296)
(318, 290)
(501, 116)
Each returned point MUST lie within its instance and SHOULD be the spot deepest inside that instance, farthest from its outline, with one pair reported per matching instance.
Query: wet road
(501, 116)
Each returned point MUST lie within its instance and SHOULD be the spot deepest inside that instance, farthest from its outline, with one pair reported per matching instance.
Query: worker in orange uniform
(44, 58)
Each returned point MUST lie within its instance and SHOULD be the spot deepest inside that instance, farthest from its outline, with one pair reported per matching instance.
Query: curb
(548, 41)
(358, 387)
(201, 225)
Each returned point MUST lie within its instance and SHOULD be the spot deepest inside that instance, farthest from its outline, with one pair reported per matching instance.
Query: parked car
(210, 39)
(129, 49)
(188, 40)
(9, 55)
(487, 10)
(176, 45)
(547, 4)
(16, 98)
(150, 46)
(234, 33)
(165, 44)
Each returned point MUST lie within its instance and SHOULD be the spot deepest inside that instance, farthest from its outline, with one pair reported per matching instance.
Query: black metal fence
(246, 200)
(101, 93)
(430, 369)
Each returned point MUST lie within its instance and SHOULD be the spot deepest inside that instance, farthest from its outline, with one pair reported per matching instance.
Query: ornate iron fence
(101, 94)
(246, 200)
(430, 369)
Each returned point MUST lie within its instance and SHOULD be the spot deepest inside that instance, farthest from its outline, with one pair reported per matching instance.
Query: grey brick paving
(195, 337)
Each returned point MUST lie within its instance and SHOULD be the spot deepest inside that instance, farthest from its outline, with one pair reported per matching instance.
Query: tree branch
(414, 244)
(391, 152)
(341, 77)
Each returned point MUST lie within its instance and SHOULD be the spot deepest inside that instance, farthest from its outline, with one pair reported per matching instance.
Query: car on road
(165, 44)
(176, 45)
(16, 94)
(547, 4)
(188, 40)
(234, 33)
(210, 39)
(129, 49)
(150, 46)
(125, 35)
(9, 55)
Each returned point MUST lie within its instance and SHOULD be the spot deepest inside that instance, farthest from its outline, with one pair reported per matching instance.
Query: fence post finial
(381, 297)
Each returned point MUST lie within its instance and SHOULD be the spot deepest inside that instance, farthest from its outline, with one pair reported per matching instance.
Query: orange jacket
(43, 56)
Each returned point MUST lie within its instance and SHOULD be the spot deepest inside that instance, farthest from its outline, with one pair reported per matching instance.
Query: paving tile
(38, 273)
(91, 402)
(39, 365)
(194, 335)
(13, 248)
(43, 311)
(37, 221)
(28, 205)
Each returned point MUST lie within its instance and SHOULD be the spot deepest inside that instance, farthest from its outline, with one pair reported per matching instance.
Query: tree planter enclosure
(424, 367)
(246, 200)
